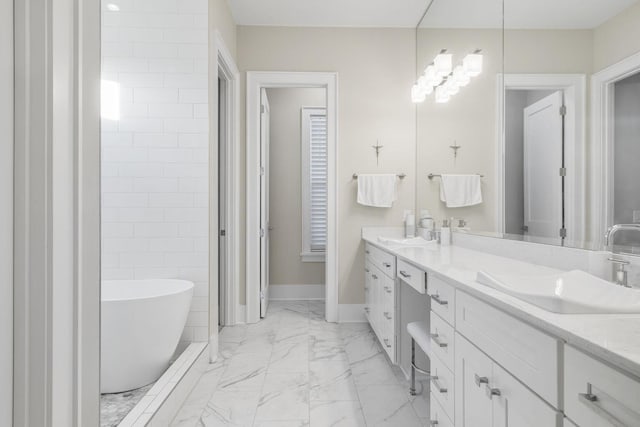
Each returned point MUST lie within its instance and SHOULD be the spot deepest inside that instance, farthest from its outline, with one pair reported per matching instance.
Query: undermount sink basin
(410, 242)
(572, 292)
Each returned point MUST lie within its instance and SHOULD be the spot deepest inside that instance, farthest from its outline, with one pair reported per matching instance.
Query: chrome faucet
(619, 273)
(611, 232)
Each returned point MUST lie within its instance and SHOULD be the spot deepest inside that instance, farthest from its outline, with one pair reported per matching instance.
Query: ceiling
(525, 14)
(328, 13)
(542, 14)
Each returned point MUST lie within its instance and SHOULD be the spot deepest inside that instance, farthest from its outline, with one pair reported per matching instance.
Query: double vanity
(504, 352)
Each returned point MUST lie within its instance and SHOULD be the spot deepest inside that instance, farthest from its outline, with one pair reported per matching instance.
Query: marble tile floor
(294, 369)
(115, 406)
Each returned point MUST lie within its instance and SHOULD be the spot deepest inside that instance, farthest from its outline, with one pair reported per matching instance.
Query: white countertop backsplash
(614, 338)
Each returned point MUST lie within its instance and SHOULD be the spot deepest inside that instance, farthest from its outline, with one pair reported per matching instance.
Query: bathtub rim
(187, 285)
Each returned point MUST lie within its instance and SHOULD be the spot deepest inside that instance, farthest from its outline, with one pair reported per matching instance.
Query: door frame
(57, 213)
(602, 144)
(6, 213)
(257, 80)
(223, 66)
(574, 87)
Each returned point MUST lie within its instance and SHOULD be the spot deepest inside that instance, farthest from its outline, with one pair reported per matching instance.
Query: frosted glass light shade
(443, 64)
(417, 94)
(472, 64)
(442, 95)
(460, 77)
(452, 87)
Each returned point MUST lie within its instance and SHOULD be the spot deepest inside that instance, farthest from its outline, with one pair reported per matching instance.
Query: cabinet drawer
(442, 383)
(438, 416)
(442, 340)
(381, 259)
(412, 276)
(614, 396)
(527, 353)
(442, 298)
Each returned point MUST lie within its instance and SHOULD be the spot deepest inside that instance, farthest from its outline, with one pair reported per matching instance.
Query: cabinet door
(514, 405)
(473, 371)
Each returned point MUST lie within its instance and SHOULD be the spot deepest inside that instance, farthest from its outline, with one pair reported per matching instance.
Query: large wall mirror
(552, 122)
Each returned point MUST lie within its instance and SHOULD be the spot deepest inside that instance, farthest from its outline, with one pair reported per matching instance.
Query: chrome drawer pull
(387, 289)
(589, 399)
(437, 299)
(436, 339)
(386, 342)
(386, 264)
(405, 274)
(386, 315)
(433, 423)
(374, 276)
(434, 380)
(366, 270)
(366, 309)
(481, 380)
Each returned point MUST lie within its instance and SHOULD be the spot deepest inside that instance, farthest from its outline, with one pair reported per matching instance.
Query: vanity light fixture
(472, 63)
(444, 78)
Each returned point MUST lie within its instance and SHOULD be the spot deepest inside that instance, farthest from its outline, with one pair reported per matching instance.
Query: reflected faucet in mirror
(619, 274)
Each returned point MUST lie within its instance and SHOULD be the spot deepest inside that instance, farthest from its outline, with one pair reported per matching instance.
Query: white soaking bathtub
(141, 324)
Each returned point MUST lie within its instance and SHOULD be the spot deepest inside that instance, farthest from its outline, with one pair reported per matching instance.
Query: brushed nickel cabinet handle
(404, 274)
(386, 264)
(439, 343)
(374, 276)
(386, 342)
(434, 380)
(590, 400)
(437, 299)
(387, 315)
(481, 380)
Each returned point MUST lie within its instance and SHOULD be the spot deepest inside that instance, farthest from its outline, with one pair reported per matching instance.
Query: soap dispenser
(445, 233)
(409, 224)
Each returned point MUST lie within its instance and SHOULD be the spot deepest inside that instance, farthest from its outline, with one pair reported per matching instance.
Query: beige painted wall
(221, 19)
(376, 71)
(617, 38)
(285, 181)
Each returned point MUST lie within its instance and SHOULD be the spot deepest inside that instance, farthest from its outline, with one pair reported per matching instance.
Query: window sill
(312, 257)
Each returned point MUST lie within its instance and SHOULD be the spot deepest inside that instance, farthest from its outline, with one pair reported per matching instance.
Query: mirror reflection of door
(626, 170)
(534, 157)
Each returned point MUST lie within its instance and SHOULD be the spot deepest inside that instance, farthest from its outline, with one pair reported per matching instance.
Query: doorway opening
(293, 141)
(540, 158)
(294, 241)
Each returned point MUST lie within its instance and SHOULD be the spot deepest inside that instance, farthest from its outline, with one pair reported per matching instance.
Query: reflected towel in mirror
(377, 190)
(460, 190)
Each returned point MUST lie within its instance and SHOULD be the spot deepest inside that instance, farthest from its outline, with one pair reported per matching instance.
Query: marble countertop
(614, 338)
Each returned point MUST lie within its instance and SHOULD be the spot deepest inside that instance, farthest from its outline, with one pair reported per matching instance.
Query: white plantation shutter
(314, 183)
(318, 182)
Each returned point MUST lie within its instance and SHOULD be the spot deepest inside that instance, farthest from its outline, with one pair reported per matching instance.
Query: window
(314, 183)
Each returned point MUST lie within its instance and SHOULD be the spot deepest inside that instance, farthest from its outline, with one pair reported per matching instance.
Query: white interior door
(264, 202)
(543, 159)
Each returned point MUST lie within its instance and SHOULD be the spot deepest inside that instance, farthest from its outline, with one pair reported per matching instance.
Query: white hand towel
(460, 190)
(377, 190)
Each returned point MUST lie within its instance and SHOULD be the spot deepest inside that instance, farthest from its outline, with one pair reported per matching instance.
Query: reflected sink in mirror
(412, 242)
(572, 292)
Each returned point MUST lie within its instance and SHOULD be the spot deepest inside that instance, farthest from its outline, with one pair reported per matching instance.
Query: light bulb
(442, 94)
(443, 64)
(472, 64)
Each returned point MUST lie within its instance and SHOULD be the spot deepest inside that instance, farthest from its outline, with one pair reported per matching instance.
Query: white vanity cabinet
(380, 297)
(487, 395)
(597, 395)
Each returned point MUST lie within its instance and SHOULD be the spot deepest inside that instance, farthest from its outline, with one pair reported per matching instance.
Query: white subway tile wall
(154, 157)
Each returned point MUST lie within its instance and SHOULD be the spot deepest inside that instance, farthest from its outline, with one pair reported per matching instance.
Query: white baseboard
(296, 292)
(351, 313)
